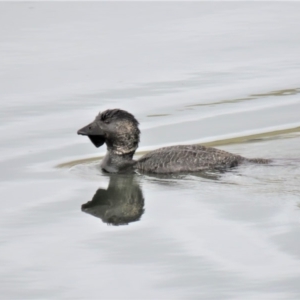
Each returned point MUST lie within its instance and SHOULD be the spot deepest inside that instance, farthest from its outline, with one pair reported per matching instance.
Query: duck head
(115, 127)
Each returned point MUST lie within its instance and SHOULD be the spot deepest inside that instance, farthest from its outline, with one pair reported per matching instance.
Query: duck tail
(259, 160)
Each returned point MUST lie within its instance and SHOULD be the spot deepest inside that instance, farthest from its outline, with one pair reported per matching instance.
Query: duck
(119, 130)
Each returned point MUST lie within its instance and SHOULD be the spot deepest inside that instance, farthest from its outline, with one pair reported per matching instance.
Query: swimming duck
(119, 130)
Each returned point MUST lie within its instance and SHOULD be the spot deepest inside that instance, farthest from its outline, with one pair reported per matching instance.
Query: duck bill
(94, 133)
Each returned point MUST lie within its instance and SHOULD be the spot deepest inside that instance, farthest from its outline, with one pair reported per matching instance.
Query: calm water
(225, 74)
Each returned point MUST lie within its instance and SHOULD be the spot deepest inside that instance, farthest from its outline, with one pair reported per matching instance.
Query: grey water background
(227, 74)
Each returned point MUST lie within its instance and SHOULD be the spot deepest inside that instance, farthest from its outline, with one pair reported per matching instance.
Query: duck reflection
(121, 204)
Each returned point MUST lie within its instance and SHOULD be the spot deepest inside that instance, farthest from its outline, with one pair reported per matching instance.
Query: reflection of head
(121, 204)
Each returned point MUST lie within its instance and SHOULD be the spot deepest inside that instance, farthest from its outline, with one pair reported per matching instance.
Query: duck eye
(106, 121)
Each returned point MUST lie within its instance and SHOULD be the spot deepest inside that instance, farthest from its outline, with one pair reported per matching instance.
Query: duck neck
(115, 163)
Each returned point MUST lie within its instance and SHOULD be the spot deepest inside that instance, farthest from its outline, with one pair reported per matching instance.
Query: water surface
(221, 74)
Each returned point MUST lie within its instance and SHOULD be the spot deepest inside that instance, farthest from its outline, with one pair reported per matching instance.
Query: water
(224, 74)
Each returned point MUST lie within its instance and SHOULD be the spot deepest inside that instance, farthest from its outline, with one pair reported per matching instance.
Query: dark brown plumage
(187, 158)
(119, 130)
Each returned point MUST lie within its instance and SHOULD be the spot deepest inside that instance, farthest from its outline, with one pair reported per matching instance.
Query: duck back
(186, 158)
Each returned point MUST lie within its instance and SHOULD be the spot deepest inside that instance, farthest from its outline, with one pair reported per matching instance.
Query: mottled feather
(120, 131)
(187, 158)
